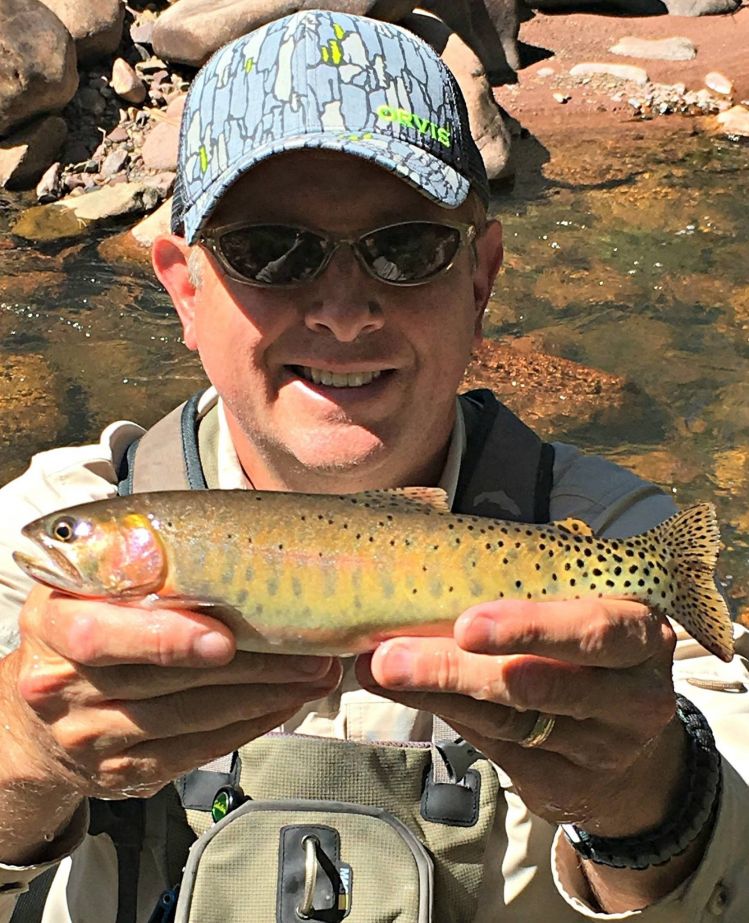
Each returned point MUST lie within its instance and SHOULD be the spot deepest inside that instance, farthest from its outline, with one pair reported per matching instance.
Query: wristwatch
(694, 812)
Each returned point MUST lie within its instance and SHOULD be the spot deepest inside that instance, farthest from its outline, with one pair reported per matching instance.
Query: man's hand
(602, 668)
(614, 760)
(112, 701)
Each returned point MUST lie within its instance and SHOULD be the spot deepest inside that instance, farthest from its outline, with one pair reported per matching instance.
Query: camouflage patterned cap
(327, 80)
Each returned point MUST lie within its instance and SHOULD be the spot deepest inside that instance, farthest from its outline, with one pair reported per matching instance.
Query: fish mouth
(56, 571)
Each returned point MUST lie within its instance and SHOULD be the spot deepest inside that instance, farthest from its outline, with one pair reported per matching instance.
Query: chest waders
(316, 828)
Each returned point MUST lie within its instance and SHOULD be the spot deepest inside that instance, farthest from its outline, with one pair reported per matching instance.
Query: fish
(337, 574)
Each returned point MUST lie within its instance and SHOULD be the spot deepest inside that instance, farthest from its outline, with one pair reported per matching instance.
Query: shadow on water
(625, 254)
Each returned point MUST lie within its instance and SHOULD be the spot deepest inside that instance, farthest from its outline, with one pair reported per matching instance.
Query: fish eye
(63, 529)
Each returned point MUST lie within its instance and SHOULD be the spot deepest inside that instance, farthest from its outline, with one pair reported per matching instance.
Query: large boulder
(489, 28)
(485, 117)
(96, 25)
(28, 153)
(191, 30)
(37, 62)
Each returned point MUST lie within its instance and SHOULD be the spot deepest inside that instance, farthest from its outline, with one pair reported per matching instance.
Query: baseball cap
(325, 80)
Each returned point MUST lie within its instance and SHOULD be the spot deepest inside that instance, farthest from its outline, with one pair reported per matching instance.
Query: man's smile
(337, 379)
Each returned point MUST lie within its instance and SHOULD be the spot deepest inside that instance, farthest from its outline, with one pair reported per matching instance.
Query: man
(331, 263)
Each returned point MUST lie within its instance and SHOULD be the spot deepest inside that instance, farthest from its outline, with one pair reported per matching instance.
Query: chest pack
(292, 827)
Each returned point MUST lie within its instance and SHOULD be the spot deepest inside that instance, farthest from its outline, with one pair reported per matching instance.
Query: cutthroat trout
(297, 573)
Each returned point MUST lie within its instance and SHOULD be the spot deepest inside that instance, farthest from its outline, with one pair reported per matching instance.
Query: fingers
(97, 633)
(116, 726)
(133, 682)
(521, 682)
(109, 716)
(608, 742)
(146, 767)
(591, 632)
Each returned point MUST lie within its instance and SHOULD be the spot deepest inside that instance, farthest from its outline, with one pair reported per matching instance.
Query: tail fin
(692, 539)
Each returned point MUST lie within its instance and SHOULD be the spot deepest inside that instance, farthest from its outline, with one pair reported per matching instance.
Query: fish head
(95, 552)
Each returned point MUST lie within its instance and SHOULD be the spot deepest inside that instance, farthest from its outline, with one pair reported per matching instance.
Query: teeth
(352, 380)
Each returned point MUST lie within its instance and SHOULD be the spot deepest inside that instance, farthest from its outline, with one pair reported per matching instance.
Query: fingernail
(476, 631)
(396, 664)
(213, 647)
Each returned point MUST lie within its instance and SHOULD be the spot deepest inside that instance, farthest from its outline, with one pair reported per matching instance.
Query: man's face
(398, 353)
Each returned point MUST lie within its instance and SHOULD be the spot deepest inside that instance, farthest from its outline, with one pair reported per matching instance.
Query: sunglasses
(409, 253)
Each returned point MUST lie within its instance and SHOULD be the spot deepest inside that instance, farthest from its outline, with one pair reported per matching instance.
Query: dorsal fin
(405, 498)
(573, 526)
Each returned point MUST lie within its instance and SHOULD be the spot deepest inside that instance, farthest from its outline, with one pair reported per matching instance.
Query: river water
(627, 255)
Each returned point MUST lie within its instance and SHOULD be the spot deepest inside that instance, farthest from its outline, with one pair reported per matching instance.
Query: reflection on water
(628, 256)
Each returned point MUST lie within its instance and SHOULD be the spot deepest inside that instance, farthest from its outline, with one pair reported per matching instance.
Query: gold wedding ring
(540, 731)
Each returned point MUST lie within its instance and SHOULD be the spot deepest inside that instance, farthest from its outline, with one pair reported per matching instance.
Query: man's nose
(345, 300)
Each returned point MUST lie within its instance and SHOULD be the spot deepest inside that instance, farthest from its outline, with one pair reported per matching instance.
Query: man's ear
(489, 253)
(169, 256)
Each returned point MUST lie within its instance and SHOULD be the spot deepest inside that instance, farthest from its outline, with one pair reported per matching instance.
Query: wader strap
(507, 471)
(167, 455)
(30, 905)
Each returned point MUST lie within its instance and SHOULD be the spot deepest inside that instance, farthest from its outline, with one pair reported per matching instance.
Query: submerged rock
(30, 405)
(38, 65)
(134, 245)
(676, 48)
(71, 216)
(548, 392)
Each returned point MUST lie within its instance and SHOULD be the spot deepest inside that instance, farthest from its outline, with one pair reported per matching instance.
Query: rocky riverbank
(90, 107)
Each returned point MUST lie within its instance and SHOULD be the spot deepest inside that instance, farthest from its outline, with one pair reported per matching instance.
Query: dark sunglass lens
(272, 254)
(410, 252)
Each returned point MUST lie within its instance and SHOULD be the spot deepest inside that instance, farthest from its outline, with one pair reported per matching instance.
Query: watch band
(696, 809)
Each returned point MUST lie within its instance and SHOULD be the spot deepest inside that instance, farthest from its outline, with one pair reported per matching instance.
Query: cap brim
(417, 167)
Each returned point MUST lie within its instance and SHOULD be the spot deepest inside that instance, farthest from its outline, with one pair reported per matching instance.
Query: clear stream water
(627, 255)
